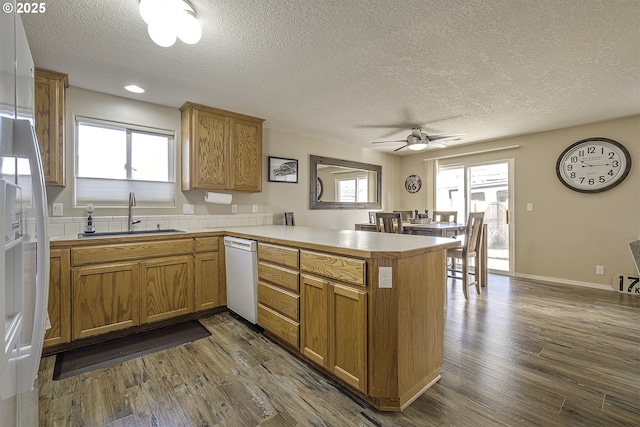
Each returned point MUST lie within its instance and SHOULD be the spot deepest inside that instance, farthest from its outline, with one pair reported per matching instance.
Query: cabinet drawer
(280, 300)
(335, 267)
(207, 244)
(279, 325)
(130, 251)
(279, 275)
(278, 255)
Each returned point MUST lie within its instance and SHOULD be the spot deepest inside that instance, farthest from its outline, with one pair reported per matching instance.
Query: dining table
(444, 229)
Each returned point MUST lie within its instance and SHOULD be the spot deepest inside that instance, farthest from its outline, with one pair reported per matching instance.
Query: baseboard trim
(559, 281)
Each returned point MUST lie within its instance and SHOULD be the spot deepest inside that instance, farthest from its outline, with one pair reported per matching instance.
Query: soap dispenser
(89, 228)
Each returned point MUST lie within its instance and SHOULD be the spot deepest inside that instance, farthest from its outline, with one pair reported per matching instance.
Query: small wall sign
(413, 184)
(626, 283)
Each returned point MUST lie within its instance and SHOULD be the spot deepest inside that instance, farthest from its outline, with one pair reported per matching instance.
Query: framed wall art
(282, 170)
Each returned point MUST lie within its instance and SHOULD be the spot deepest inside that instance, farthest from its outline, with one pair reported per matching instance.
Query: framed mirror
(344, 184)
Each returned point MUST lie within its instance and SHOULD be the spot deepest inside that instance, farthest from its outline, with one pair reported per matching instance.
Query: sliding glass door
(481, 188)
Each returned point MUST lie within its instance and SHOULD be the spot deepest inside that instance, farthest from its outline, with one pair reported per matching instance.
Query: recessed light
(134, 89)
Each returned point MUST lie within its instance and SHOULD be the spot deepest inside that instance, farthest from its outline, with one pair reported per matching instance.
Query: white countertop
(342, 240)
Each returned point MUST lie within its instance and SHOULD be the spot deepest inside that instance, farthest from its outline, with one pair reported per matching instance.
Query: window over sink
(115, 158)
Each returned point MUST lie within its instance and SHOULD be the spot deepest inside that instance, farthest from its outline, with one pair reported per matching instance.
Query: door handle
(507, 216)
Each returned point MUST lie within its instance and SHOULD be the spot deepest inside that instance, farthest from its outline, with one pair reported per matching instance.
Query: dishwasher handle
(242, 244)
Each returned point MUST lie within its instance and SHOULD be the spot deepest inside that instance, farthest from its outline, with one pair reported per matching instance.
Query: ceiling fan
(418, 140)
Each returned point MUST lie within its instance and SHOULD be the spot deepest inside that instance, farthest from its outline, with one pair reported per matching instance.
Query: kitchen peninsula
(366, 308)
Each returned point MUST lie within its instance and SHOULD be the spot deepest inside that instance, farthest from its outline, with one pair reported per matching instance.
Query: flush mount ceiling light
(170, 19)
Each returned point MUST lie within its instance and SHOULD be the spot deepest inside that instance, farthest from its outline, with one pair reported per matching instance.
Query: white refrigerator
(24, 265)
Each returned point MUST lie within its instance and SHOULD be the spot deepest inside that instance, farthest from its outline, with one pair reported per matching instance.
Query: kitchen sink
(129, 233)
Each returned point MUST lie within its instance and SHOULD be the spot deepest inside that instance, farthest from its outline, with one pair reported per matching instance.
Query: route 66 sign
(413, 184)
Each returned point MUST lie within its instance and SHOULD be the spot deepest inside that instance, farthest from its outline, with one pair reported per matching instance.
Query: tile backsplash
(59, 226)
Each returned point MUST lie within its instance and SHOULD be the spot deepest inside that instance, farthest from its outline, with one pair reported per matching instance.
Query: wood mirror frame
(314, 161)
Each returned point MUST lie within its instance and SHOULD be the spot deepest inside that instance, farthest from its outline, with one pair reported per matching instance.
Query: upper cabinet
(49, 116)
(221, 150)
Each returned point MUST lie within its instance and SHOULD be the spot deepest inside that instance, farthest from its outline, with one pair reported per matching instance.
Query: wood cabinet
(49, 122)
(334, 329)
(221, 150)
(117, 286)
(104, 298)
(209, 274)
(59, 304)
(278, 292)
(166, 288)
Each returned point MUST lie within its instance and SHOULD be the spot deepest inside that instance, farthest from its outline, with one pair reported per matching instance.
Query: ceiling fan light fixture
(417, 146)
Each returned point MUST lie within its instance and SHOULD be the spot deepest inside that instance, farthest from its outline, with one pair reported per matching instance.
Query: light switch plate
(384, 277)
(530, 207)
(234, 208)
(58, 209)
(254, 208)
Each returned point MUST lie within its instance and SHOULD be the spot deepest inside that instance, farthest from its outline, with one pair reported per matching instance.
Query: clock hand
(582, 161)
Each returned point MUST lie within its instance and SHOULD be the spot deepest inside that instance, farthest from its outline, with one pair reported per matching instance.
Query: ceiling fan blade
(451, 135)
(398, 149)
(433, 144)
(384, 142)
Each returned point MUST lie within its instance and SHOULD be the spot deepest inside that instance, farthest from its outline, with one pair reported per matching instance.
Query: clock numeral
(574, 159)
(592, 181)
(615, 163)
(591, 150)
(569, 167)
(612, 154)
(610, 173)
(572, 175)
(601, 179)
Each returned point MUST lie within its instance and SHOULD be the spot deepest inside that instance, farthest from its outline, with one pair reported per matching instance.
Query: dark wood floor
(521, 354)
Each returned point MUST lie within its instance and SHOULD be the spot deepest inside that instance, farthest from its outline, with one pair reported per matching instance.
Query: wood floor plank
(521, 354)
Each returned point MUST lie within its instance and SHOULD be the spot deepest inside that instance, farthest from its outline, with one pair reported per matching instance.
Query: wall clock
(593, 165)
(413, 184)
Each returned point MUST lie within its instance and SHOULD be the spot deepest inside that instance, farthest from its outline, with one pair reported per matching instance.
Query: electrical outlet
(530, 207)
(384, 277)
(599, 269)
(187, 208)
(254, 208)
(234, 208)
(57, 209)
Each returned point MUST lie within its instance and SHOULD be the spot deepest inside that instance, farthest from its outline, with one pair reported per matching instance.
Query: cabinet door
(49, 97)
(348, 335)
(104, 298)
(209, 137)
(59, 306)
(314, 339)
(246, 155)
(207, 281)
(166, 288)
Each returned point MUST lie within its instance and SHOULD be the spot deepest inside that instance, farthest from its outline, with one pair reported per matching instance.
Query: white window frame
(108, 193)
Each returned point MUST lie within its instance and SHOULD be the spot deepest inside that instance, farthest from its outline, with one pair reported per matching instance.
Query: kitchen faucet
(132, 203)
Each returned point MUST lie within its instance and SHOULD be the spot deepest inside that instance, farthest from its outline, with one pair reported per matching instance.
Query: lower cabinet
(59, 305)
(166, 288)
(104, 298)
(334, 328)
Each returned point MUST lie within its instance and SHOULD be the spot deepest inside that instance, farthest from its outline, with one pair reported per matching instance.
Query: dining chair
(372, 217)
(288, 218)
(469, 250)
(445, 216)
(406, 215)
(389, 222)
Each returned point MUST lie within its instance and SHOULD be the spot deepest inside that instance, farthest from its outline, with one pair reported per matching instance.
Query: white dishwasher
(242, 277)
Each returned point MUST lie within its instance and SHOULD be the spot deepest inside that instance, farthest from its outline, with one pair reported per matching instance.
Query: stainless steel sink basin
(129, 233)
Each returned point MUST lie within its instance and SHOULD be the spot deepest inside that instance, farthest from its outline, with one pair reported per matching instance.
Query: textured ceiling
(349, 71)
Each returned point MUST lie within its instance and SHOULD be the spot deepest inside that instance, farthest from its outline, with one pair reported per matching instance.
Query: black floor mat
(74, 362)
